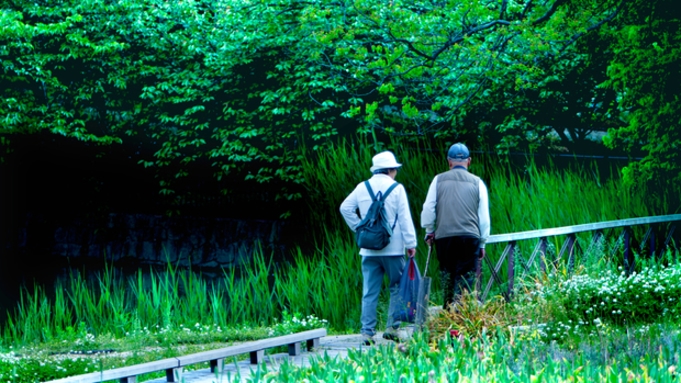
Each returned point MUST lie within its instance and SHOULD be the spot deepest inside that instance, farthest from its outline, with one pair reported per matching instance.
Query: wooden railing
(173, 366)
(570, 246)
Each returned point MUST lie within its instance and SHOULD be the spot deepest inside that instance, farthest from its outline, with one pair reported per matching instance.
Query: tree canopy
(241, 86)
(645, 73)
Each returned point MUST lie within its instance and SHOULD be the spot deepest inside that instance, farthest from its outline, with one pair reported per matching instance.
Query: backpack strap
(383, 197)
(393, 186)
(371, 191)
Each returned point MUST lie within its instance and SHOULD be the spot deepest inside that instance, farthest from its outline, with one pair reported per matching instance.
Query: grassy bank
(598, 323)
(644, 356)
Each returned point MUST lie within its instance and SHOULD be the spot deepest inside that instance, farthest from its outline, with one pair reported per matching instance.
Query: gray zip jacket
(457, 204)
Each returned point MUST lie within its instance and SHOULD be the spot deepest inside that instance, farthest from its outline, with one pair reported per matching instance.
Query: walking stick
(423, 295)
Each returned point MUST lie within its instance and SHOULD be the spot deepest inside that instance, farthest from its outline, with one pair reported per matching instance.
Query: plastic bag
(408, 293)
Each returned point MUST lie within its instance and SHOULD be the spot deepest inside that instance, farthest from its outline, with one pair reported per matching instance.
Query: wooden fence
(571, 246)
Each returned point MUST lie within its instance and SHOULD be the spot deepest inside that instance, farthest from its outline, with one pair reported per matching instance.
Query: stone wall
(154, 239)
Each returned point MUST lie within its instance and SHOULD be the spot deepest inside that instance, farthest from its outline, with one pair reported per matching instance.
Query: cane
(423, 295)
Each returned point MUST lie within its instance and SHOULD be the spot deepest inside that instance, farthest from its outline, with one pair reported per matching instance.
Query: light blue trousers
(373, 270)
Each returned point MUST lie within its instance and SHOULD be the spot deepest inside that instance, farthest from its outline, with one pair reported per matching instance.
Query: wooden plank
(250, 347)
(499, 238)
(122, 373)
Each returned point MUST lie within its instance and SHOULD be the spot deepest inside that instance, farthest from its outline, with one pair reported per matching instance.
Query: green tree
(645, 73)
(239, 86)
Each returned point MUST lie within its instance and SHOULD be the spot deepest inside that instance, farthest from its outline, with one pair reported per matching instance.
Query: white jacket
(404, 234)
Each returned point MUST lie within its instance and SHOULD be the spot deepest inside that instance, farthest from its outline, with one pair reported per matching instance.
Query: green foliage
(499, 358)
(598, 299)
(645, 67)
(237, 86)
(641, 297)
(29, 369)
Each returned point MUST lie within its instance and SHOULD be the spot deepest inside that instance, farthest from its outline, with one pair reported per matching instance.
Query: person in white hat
(456, 218)
(390, 260)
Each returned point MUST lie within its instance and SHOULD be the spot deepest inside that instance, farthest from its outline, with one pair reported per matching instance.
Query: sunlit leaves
(236, 82)
(647, 61)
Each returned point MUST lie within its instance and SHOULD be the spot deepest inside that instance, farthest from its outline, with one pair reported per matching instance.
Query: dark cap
(458, 151)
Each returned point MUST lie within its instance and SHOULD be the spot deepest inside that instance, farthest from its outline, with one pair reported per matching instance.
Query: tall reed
(325, 284)
(323, 279)
(522, 198)
(329, 283)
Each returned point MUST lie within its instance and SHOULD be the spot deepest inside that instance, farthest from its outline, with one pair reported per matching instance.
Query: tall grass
(325, 279)
(326, 284)
(522, 198)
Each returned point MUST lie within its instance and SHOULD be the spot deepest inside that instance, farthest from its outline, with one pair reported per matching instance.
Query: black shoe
(391, 334)
(368, 340)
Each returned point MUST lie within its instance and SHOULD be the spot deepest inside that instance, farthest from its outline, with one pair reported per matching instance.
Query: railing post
(174, 375)
(668, 240)
(571, 252)
(511, 269)
(478, 277)
(542, 252)
(217, 365)
(294, 349)
(495, 270)
(628, 261)
(313, 343)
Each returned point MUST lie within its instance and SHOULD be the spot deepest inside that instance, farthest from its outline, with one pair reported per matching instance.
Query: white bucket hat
(384, 160)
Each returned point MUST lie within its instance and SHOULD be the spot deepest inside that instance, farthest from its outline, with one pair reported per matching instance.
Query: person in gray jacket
(456, 218)
(390, 260)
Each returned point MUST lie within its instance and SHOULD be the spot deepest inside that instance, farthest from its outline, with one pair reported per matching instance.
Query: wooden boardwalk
(229, 364)
(335, 346)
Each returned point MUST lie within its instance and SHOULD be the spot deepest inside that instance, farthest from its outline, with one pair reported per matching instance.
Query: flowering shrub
(292, 324)
(35, 367)
(641, 297)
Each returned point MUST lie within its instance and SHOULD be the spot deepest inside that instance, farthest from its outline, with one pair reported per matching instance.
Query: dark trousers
(458, 257)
